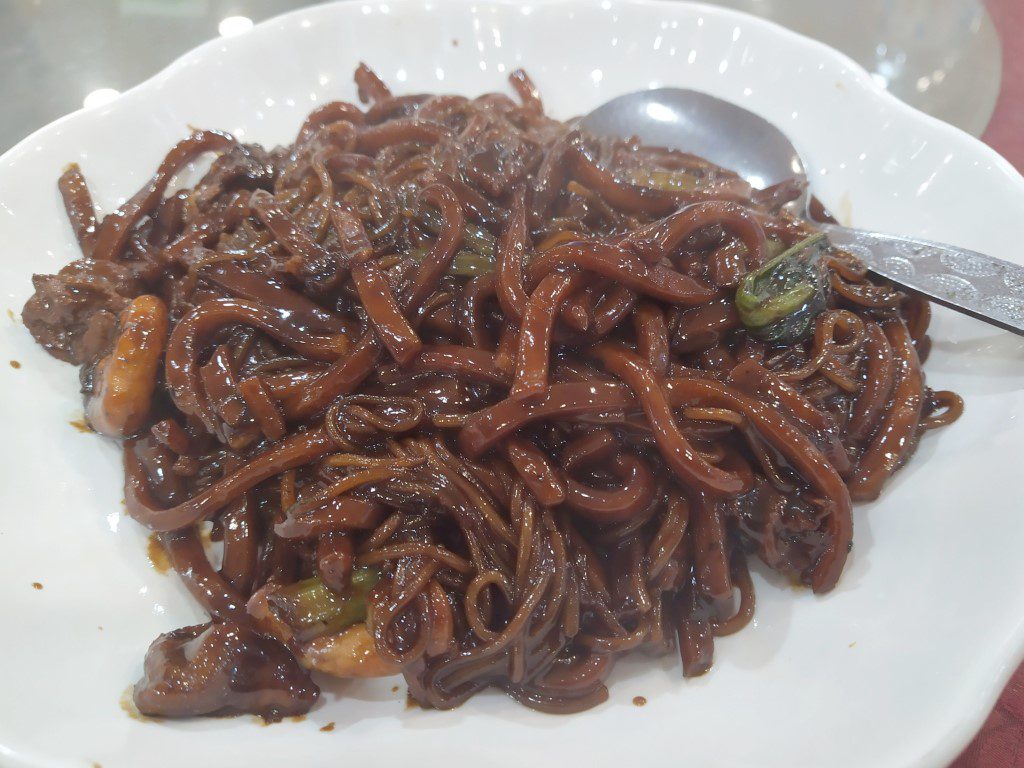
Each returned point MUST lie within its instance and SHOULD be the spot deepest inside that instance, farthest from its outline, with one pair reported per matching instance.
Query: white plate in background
(897, 667)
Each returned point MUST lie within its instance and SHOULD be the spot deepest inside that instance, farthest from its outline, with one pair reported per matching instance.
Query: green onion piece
(779, 301)
(310, 602)
(474, 237)
(774, 248)
(470, 264)
(666, 181)
(465, 263)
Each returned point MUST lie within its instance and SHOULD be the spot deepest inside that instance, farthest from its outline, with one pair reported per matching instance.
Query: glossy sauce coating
(466, 395)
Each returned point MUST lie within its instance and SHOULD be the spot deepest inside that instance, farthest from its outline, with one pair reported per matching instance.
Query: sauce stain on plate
(81, 426)
(127, 703)
(157, 554)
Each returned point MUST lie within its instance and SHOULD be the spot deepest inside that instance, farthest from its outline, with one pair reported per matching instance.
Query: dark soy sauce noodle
(473, 397)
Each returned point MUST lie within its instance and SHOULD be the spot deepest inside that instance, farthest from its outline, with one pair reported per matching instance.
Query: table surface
(947, 57)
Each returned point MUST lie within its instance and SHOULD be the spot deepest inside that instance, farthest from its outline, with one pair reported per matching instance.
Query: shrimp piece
(124, 380)
(350, 653)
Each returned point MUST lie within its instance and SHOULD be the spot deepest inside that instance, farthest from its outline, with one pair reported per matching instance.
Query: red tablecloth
(1001, 741)
(1005, 131)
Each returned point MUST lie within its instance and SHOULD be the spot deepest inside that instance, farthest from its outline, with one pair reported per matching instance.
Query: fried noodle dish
(463, 393)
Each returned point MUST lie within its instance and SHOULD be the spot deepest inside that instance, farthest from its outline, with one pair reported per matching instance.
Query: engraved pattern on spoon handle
(989, 289)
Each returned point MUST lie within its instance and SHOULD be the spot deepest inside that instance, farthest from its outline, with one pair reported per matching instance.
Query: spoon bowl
(720, 131)
(735, 138)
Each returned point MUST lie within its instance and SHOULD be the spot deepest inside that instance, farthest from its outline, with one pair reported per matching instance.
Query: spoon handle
(989, 289)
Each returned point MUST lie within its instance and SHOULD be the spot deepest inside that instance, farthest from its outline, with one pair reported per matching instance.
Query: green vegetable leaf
(474, 237)
(309, 602)
(779, 301)
(465, 263)
(666, 181)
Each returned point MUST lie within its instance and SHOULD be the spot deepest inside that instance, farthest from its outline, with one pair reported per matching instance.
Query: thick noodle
(464, 394)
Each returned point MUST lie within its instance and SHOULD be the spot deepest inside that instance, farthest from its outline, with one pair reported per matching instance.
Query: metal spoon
(736, 138)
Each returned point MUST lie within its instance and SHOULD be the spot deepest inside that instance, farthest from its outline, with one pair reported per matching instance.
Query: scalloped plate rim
(1000, 668)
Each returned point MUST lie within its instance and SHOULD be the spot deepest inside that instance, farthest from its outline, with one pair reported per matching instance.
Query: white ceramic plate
(897, 667)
